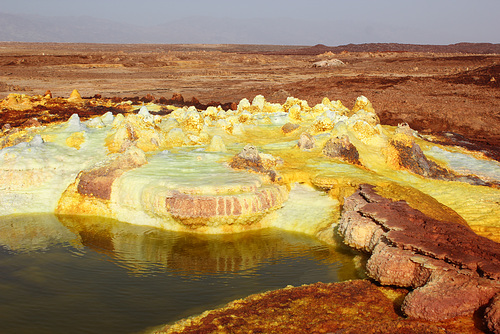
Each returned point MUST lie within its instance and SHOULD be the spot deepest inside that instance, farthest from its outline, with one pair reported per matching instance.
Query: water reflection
(33, 232)
(70, 274)
(145, 250)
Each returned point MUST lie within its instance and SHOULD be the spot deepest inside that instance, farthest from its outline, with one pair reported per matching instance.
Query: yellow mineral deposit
(76, 140)
(75, 96)
(186, 182)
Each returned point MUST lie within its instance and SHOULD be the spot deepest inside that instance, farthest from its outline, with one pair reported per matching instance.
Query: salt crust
(34, 174)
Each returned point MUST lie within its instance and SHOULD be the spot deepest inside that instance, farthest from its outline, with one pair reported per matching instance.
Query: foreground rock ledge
(452, 270)
(347, 307)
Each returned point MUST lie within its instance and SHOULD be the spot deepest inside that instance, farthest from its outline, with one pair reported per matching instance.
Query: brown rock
(176, 97)
(97, 181)
(251, 160)
(360, 232)
(492, 315)
(450, 242)
(348, 307)
(394, 266)
(31, 123)
(306, 141)
(289, 128)
(405, 154)
(342, 148)
(448, 294)
(440, 259)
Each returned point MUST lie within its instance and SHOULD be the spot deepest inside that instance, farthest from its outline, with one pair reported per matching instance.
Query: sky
(434, 21)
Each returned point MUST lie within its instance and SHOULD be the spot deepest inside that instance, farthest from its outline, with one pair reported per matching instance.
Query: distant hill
(28, 28)
(206, 30)
(477, 48)
(32, 28)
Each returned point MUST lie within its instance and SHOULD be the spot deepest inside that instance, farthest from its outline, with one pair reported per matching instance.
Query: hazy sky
(448, 21)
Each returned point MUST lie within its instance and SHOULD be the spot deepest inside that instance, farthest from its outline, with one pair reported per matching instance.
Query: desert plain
(451, 95)
(433, 92)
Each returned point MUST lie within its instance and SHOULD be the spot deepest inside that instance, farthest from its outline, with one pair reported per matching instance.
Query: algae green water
(92, 275)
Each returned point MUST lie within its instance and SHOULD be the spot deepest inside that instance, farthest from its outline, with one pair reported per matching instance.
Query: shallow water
(92, 275)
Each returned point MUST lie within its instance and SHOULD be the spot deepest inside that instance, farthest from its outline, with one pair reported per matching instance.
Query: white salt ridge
(279, 118)
(488, 170)
(138, 196)
(190, 172)
(74, 124)
(34, 175)
(306, 210)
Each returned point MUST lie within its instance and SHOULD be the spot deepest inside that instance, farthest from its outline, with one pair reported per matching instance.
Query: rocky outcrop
(349, 307)
(251, 160)
(404, 153)
(199, 211)
(97, 181)
(452, 270)
(342, 148)
(306, 141)
(492, 315)
(289, 128)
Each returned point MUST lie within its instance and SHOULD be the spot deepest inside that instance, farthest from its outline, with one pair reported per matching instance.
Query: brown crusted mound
(289, 128)
(347, 307)
(97, 181)
(185, 206)
(453, 270)
(342, 148)
(492, 315)
(249, 159)
(412, 230)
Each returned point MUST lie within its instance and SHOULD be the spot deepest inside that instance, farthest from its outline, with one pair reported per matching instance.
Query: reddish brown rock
(453, 243)
(360, 232)
(97, 181)
(448, 294)
(394, 266)
(30, 123)
(289, 128)
(342, 148)
(453, 270)
(251, 160)
(186, 206)
(492, 315)
(176, 97)
(349, 307)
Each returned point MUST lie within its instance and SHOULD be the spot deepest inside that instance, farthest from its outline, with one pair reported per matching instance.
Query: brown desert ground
(434, 92)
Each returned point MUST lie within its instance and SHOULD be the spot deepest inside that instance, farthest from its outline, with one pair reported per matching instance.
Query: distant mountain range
(279, 31)
(477, 48)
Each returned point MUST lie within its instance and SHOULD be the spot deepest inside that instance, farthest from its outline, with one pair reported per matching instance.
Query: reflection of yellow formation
(187, 150)
(142, 249)
(31, 233)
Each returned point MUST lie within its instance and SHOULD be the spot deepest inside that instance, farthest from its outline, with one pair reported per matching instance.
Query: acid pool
(92, 275)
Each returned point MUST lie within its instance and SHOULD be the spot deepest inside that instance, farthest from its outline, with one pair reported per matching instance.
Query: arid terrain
(433, 92)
